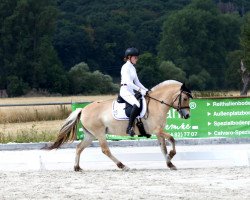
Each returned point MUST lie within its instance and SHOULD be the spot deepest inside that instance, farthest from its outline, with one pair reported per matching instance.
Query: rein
(160, 101)
(171, 105)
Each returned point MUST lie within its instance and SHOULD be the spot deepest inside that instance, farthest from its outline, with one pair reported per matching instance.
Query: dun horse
(98, 120)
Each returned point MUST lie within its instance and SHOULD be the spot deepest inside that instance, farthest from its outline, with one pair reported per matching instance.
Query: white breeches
(129, 97)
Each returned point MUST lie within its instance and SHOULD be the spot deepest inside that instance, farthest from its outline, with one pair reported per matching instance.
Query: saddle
(121, 111)
(128, 107)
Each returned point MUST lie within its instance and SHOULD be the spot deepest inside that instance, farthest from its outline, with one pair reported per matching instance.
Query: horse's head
(173, 94)
(181, 101)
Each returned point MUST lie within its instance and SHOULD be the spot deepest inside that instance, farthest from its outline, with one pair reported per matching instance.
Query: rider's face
(134, 59)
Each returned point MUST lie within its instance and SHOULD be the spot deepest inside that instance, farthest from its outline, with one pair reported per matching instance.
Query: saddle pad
(118, 110)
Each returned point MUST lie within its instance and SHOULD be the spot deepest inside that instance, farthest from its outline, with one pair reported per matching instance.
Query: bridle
(179, 96)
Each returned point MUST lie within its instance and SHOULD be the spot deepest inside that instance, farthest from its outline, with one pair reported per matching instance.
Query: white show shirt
(129, 77)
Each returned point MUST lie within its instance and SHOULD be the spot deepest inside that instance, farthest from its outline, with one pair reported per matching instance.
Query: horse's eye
(185, 99)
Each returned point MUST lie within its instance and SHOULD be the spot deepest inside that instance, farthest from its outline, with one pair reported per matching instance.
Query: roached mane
(168, 82)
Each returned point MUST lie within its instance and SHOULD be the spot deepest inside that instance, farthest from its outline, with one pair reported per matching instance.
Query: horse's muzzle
(184, 113)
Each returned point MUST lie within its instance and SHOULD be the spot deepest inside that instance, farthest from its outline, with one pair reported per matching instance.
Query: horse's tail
(68, 130)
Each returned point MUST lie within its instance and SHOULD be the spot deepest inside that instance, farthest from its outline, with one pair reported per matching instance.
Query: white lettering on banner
(195, 127)
(192, 105)
(232, 123)
(223, 132)
(233, 113)
(236, 132)
(184, 134)
(173, 114)
(230, 103)
(176, 127)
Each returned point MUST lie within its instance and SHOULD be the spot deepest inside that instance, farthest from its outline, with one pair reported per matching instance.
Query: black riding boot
(134, 113)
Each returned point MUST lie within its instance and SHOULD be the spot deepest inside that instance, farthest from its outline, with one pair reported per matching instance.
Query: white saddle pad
(118, 110)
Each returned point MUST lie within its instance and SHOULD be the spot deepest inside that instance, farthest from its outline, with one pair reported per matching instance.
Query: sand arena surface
(202, 183)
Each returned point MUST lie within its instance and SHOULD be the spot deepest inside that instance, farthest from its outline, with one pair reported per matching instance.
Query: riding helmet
(131, 52)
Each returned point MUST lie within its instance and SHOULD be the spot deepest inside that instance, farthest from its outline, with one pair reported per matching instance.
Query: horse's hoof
(125, 168)
(171, 166)
(77, 169)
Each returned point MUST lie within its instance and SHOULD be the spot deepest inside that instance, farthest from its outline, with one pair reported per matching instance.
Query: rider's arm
(127, 79)
(138, 83)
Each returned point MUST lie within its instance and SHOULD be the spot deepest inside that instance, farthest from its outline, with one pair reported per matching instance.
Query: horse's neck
(165, 94)
(157, 108)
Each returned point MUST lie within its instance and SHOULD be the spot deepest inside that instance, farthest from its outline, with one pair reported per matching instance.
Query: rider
(129, 83)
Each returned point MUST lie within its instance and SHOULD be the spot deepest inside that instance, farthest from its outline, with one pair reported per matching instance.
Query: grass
(28, 135)
(36, 123)
(33, 113)
(30, 131)
(23, 114)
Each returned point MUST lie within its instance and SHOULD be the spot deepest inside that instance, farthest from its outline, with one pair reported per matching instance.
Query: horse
(97, 121)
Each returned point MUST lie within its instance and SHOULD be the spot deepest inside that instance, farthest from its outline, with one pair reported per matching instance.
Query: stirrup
(131, 132)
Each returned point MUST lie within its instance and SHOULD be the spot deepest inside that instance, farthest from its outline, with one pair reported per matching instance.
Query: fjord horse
(97, 121)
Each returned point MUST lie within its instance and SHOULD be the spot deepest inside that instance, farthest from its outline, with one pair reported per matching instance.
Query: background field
(36, 123)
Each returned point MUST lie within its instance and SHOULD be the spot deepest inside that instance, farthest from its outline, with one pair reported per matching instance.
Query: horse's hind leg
(88, 138)
(161, 138)
(105, 149)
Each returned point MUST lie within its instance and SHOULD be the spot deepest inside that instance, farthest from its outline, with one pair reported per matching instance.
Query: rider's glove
(143, 92)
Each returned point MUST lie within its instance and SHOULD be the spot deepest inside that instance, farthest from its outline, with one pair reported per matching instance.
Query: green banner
(212, 118)
(209, 118)
(74, 106)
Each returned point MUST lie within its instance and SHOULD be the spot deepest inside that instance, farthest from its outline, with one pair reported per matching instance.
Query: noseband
(179, 107)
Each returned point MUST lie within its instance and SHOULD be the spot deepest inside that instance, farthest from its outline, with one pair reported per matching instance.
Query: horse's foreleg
(88, 138)
(168, 157)
(163, 147)
(171, 139)
(106, 151)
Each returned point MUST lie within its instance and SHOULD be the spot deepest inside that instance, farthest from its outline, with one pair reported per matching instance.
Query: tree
(82, 81)
(78, 78)
(148, 70)
(168, 71)
(245, 62)
(42, 40)
(26, 49)
(98, 32)
(72, 43)
(198, 38)
(199, 81)
(232, 75)
(16, 86)
(245, 74)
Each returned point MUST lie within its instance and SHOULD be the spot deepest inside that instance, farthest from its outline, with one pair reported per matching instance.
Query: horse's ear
(183, 87)
(186, 90)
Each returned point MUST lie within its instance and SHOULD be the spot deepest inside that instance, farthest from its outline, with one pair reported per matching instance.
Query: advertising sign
(212, 118)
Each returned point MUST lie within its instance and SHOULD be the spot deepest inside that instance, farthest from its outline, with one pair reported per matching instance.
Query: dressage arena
(219, 171)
